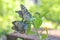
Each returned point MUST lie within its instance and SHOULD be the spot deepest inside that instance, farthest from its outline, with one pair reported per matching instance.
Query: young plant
(24, 26)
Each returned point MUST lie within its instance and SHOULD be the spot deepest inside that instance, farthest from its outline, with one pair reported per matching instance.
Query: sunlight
(29, 3)
(47, 24)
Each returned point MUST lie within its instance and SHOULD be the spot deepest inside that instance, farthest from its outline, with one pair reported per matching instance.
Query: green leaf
(29, 28)
(38, 20)
(44, 36)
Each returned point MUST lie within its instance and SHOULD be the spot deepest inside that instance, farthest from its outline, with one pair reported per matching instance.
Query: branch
(23, 36)
(53, 32)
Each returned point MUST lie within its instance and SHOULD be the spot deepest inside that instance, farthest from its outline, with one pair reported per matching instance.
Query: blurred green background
(49, 10)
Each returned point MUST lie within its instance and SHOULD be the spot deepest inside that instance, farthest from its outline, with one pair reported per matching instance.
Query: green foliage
(44, 36)
(29, 28)
(49, 9)
(38, 20)
(7, 14)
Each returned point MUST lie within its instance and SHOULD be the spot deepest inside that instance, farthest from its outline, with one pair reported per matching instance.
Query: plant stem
(36, 30)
